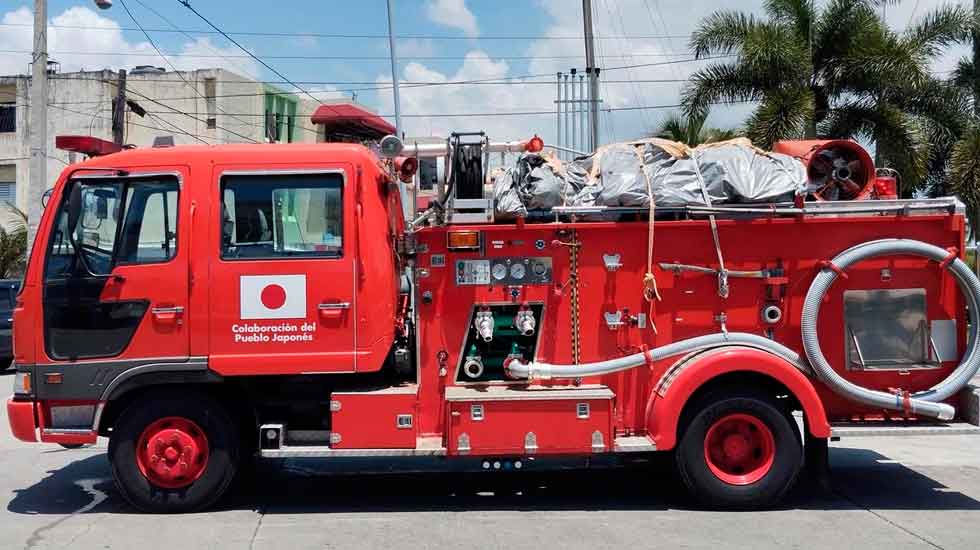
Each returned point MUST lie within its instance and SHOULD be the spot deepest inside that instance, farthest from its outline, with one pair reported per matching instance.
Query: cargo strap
(722, 272)
(827, 264)
(953, 254)
(650, 292)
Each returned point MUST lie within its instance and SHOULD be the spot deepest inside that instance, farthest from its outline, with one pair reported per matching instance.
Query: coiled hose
(924, 403)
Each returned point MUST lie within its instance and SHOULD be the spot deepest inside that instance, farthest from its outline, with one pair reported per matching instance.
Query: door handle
(333, 305)
(167, 314)
(332, 310)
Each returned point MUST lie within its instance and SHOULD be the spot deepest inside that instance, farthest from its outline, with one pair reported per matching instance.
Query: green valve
(514, 350)
(473, 351)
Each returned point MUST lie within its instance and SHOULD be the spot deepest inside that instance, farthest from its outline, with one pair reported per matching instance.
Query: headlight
(22, 383)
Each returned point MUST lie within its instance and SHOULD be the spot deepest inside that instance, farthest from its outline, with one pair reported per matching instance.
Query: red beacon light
(534, 145)
(86, 145)
(406, 168)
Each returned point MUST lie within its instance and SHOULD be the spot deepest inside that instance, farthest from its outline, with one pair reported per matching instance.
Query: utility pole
(39, 121)
(394, 70)
(593, 74)
(119, 110)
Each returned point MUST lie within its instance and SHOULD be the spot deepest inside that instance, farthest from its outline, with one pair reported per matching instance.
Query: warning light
(406, 168)
(463, 240)
(534, 145)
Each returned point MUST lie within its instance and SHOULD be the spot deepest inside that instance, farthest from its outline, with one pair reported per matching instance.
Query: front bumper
(20, 414)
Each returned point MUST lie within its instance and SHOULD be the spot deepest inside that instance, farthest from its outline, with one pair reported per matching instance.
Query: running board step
(882, 429)
(634, 444)
(425, 446)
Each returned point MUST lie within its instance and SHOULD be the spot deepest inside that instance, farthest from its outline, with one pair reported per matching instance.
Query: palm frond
(721, 82)
(939, 29)
(721, 33)
(783, 114)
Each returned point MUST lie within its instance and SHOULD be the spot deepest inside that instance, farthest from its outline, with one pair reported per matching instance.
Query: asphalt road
(888, 493)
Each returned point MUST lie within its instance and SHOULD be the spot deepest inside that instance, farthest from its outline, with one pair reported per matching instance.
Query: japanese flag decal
(273, 296)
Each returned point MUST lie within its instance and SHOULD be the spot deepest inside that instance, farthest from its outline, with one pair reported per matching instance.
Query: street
(919, 492)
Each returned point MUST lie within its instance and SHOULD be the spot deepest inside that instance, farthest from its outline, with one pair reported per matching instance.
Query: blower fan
(837, 170)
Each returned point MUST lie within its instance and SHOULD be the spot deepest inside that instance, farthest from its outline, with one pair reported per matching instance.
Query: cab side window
(282, 216)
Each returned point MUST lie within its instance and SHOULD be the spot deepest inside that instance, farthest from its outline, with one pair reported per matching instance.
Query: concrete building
(202, 106)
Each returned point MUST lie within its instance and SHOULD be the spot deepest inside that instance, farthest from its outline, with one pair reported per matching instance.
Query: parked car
(8, 292)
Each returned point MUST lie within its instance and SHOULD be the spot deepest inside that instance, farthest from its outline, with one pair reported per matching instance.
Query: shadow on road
(861, 479)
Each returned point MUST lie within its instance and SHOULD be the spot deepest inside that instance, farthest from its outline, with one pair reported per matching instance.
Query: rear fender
(675, 388)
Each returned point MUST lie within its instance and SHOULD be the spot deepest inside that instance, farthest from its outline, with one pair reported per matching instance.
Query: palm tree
(13, 244)
(677, 127)
(835, 70)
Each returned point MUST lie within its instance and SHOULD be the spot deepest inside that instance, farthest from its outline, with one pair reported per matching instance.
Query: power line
(187, 5)
(355, 57)
(188, 84)
(348, 36)
(516, 113)
(348, 90)
(499, 79)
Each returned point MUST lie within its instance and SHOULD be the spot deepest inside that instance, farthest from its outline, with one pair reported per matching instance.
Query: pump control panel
(504, 271)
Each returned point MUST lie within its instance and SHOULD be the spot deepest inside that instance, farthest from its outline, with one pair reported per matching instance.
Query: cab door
(283, 275)
(116, 275)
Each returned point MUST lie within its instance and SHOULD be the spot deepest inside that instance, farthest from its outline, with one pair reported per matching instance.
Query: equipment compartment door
(282, 285)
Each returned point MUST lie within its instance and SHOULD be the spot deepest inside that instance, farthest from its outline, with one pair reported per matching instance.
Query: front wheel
(739, 450)
(172, 454)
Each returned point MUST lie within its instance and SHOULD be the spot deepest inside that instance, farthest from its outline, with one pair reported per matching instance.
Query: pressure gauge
(517, 271)
(499, 272)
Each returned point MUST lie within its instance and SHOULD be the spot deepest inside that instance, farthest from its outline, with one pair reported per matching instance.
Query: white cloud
(81, 29)
(453, 13)
(665, 26)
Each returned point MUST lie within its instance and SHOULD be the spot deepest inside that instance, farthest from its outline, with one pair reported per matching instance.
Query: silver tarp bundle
(627, 174)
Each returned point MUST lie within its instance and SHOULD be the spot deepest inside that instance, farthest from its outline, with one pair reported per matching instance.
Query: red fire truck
(204, 305)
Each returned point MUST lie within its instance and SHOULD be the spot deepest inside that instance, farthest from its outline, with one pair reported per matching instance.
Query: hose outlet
(772, 314)
(483, 323)
(473, 366)
(525, 323)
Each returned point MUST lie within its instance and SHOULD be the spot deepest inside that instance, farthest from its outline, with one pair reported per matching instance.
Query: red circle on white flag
(273, 296)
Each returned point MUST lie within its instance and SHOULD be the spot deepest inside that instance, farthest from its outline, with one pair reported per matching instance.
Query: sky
(521, 42)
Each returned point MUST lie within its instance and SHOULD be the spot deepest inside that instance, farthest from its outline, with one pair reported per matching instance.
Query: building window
(8, 117)
(8, 185)
(8, 192)
(211, 100)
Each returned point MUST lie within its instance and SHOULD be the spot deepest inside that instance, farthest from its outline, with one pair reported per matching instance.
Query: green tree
(13, 244)
(677, 127)
(835, 70)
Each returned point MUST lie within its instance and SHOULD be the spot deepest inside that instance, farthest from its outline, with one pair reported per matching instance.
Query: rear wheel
(739, 450)
(173, 454)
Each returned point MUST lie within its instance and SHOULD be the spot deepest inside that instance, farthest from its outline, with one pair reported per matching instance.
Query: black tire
(72, 445)
(709, 488)
(6, 363)
(223, 453)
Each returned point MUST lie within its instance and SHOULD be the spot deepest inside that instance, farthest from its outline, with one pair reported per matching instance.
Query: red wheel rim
(172, 452)
(739, 449)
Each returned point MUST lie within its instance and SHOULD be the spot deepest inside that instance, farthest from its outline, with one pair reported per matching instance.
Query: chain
(573, 260)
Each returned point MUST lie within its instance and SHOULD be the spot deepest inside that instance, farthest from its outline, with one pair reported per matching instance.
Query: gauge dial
(499, 272)
(517, 271)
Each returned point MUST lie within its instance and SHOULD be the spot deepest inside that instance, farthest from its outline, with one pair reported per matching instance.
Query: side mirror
(46, 197)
